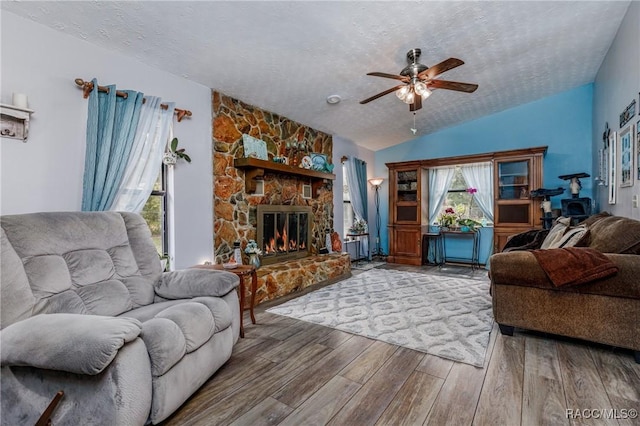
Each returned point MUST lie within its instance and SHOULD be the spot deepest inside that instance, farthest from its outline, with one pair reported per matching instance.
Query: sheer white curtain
(146, 156)
(480, 176)
(357, 177)
(439, 183)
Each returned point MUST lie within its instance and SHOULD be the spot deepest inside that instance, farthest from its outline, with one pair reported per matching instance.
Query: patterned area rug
(445, 316)
(365, 266)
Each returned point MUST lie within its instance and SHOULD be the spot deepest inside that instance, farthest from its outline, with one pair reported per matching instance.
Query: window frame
(164, 204)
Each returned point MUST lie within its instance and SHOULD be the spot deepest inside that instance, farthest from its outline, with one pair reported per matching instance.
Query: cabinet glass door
(407, 186)
(407, 196)
(513, 180)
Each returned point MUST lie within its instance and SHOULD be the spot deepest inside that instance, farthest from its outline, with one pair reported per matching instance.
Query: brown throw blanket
(574, 265)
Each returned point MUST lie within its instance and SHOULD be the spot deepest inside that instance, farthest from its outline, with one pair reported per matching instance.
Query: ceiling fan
(418, 80)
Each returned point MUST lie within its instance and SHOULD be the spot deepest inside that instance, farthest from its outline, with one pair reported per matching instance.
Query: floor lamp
(376, 182)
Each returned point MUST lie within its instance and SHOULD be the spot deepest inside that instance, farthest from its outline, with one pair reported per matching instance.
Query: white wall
(344, 147)
(45, 173)
(617, 84)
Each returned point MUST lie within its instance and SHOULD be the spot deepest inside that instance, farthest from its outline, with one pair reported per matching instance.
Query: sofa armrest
(81, 344)
(188, 283)
(522, 268)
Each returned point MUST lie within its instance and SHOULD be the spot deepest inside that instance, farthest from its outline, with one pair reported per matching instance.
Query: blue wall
(562, 122)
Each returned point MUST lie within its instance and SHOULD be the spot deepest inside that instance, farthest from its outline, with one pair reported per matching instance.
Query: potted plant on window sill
(468, 225)
(173, 153)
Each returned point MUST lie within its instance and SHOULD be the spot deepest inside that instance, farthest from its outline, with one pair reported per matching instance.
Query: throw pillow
(556, 233)
(571, 237)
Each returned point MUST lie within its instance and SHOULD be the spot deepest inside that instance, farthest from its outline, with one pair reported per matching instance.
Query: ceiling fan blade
(386, 92)
(438, 69)
(417, 103)
(385, 75)
(453, 85)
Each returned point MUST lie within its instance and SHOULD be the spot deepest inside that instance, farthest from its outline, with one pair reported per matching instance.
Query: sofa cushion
(195, 321)
(174, 328)
(17, 300)
(615, 234)
(145, 313)
(165, 343)
(521, 269)
(91, 253)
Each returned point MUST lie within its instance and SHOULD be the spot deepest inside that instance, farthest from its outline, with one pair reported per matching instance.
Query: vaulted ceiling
(287, 57)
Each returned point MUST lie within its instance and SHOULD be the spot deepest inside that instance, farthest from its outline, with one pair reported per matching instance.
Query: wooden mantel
(255, 168)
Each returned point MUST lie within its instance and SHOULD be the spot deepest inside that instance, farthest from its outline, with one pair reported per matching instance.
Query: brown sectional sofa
(606, 310)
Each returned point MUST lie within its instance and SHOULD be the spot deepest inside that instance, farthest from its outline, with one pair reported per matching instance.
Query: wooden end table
(241, 271)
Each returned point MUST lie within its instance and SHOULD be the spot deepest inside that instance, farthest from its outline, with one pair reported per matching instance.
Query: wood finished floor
(288, 372)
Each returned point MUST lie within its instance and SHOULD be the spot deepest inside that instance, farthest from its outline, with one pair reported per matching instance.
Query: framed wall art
(628, 113)
(626, 156)
(603, 161)
(612, 168)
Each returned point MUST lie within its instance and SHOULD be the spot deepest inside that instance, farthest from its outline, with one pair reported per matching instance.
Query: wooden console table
(241, 271)
(475, 240)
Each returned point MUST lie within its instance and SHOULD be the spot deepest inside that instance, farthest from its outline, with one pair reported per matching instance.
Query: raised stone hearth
(294, 275)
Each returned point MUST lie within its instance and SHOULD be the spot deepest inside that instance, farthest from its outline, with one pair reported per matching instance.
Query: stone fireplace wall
(234, 209)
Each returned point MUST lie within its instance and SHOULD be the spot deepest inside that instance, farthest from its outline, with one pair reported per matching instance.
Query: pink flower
(449, 210)
(472, 190)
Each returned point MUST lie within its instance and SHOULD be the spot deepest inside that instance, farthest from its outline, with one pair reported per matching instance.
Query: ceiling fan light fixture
(422, 90)
(402, 93)
(410, 97)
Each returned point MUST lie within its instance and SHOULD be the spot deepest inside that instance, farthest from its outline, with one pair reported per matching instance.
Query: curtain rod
(87, 87)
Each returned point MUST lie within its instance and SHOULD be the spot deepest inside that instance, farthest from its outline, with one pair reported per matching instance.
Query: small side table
(358, 238)
(241, 271)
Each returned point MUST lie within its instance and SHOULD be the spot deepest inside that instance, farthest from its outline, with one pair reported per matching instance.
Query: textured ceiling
(287, 57)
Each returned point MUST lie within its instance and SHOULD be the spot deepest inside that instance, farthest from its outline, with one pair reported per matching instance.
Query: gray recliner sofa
(86, 309)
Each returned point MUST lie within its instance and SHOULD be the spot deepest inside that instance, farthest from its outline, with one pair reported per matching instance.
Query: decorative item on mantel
(15, 118)
(254, 253)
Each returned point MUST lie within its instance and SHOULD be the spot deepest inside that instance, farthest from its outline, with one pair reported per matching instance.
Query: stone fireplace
(237, 210)
(295, 220)
(284, 232)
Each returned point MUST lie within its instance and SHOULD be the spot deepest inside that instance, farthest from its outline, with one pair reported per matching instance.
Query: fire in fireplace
(284, 232)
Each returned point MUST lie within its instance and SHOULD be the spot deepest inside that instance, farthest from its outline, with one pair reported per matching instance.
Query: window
(155, 213)
(348, 217)
(461, 200)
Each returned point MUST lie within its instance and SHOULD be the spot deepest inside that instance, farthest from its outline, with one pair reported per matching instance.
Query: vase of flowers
(254, 253)
(448, 218)
(358, 227)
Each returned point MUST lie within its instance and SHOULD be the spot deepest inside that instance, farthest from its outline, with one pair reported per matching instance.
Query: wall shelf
(14, 122)
(255, 168)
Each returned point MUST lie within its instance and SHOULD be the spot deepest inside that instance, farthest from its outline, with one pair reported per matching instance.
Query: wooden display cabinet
(406, 210)
(516, 174)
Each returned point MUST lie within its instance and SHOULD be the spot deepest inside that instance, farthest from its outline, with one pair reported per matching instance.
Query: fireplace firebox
(283, 232)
